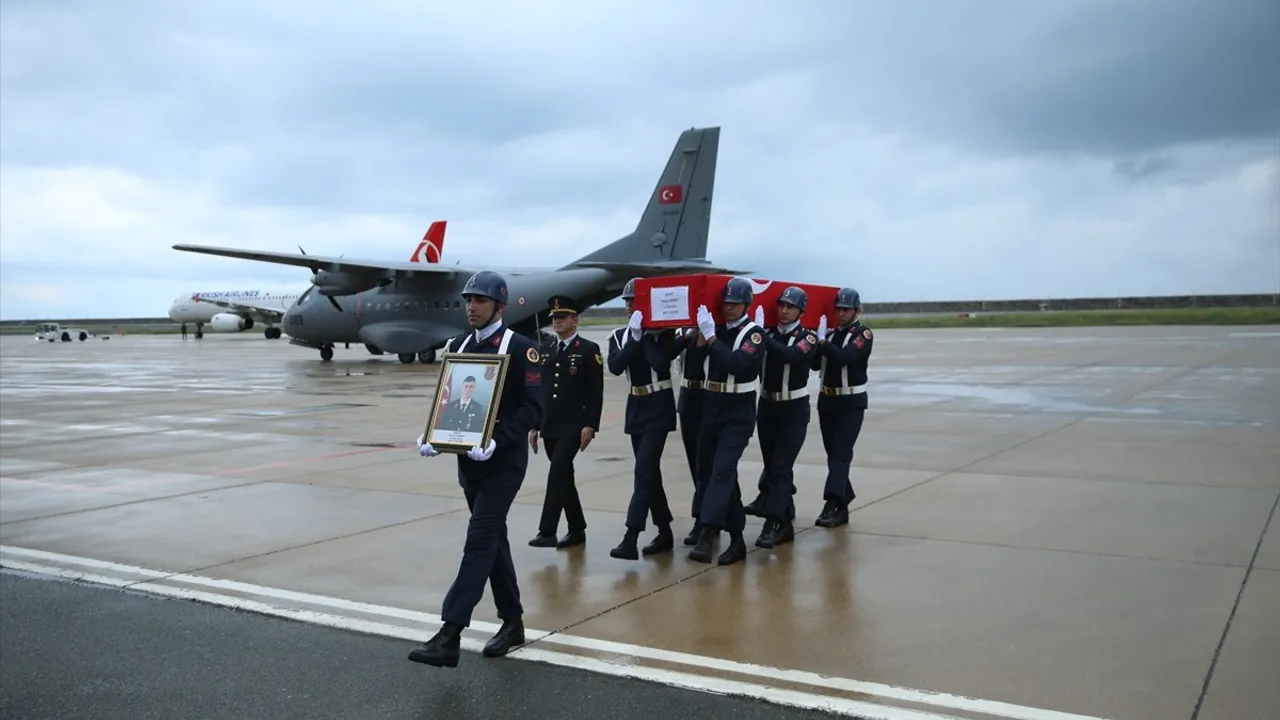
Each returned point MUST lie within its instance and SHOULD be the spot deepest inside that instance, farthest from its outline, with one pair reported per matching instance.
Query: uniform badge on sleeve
(532, 355)
(599, 359)
(866, 333)
(756, 338)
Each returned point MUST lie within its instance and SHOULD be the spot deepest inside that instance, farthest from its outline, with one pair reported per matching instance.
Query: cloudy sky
(920, 149)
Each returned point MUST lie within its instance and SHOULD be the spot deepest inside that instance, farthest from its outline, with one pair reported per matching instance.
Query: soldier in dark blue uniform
(573, 396)
(692, 350)
(645, 358)
(491, 477)
(728, 419)
(783, 419)
(842, 361)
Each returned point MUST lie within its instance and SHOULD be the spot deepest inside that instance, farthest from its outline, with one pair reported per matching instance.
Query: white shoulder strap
(506, 340)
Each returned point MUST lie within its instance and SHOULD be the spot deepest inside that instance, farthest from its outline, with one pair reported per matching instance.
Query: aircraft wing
(671, 267)
(367, 268)
(260, 313)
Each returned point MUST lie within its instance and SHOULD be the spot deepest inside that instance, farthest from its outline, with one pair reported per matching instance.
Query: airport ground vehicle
(52, 331)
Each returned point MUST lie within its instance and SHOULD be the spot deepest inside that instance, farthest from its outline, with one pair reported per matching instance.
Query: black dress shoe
(692, 538)
(662, 542)
(509, 637)
(755, 508)
(626, 550)
(736, 551)
(442, 650)
(543, 540)
(571, 539)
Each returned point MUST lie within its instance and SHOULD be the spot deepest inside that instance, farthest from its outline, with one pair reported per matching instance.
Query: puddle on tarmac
(283, 412)
(1017, 396)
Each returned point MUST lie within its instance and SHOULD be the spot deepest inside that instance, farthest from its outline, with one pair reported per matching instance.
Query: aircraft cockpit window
(305, 294)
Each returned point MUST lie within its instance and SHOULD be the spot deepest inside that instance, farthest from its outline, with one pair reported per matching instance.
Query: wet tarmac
(1057, 523)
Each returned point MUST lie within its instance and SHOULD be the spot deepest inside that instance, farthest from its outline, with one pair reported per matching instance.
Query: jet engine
(230, 322)
(341, 283)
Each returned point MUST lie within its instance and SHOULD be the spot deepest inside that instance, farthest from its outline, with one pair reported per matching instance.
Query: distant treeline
(871, 308)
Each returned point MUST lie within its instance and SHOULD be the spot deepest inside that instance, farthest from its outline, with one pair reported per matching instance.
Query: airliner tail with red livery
(239, 310)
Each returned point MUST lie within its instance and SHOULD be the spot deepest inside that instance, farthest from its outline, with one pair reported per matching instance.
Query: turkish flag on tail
(670, 194)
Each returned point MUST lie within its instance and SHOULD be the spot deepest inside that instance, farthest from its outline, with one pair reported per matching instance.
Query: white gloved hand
(706, 323)
(822, 328)
(479, 455)
(637, 318)
(424, 448)
(759, 318)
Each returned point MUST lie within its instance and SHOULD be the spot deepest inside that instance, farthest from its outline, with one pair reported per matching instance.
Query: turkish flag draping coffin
(671, 302)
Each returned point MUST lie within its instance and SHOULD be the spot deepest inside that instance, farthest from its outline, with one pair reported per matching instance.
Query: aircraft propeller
(314, 276)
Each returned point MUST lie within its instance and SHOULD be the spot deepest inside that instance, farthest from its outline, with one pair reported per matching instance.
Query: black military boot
(509, 637)
(692, 538)
(775, 533)
(767, 534)
(736, 551)
(756, 507)
(442, 650)
(701, 552)
(626, 549)
(543, 540)
(662, 542)
(833, 516)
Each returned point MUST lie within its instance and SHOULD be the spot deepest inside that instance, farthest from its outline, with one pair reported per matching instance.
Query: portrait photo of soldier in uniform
(464, 408)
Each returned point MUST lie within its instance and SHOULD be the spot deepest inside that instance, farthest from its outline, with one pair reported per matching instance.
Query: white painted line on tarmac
(169, 584)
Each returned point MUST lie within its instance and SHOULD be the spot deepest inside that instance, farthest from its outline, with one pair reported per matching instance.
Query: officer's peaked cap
(738, 290)
(848, 299)
(563, 305)
(487, 283)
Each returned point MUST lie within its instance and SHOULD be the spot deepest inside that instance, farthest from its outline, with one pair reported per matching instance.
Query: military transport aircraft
(413, 309)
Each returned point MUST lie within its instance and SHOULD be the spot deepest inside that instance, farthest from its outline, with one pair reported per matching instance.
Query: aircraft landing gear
(271, 333)
(426, 357)
(326, 353)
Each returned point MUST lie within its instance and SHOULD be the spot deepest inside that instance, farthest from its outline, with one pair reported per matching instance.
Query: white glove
(424, 448)
(706, 323)
(634, 323)
(479, 455)
(759, 318)
(822, 328)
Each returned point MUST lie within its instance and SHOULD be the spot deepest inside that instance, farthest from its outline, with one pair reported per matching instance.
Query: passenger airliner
(239, 310)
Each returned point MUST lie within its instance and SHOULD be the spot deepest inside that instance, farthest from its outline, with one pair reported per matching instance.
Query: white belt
(784, 394)
(650, 388)
(692, 384)
(726, 387)
(855, 390)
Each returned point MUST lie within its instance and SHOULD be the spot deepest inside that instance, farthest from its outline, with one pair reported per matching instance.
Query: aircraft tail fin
(677, 220)
(431, 248)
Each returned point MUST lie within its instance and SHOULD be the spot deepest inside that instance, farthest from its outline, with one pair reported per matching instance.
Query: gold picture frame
(455, 426)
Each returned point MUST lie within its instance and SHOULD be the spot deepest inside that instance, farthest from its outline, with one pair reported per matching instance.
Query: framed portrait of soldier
(466, 402)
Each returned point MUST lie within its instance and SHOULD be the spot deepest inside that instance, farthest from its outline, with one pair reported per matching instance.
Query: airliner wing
(258, 313)
(367, 268)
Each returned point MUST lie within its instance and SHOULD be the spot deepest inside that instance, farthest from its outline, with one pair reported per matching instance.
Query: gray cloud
(951, 149)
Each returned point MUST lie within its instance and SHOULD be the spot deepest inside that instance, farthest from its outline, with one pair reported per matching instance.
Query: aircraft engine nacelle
(340, 283)
(230, 322)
